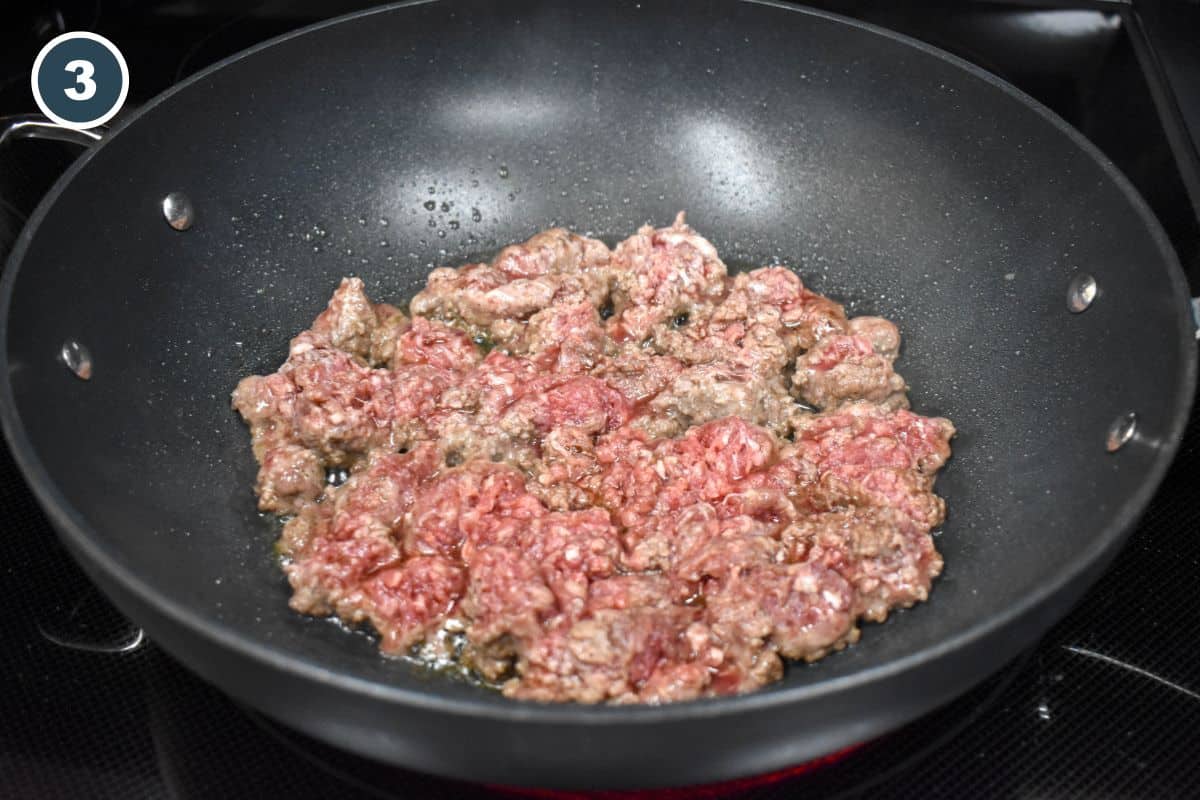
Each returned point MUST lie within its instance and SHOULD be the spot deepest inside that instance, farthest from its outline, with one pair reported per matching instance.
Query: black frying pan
(892, 176)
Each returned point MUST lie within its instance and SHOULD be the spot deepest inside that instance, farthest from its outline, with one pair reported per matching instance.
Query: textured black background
(1108, 705)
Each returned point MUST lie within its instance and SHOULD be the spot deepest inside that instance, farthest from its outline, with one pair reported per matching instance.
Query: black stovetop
(1107, 705)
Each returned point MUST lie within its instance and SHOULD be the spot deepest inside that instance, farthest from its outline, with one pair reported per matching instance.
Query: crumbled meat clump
(657, 483)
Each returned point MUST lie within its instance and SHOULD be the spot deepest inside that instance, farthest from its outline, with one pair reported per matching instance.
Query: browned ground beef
(628, 496)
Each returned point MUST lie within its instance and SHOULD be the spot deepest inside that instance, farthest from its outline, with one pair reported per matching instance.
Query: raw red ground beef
(629, 497)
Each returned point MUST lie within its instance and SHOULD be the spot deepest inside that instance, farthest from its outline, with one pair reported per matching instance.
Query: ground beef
(497, 299)
(638, 373)
(290, 477)
(406, 602)
(888, 560)
(435, 344)
(350, 319)
(333, 545)
(716, 390)
(390, 325)
(642, 654)
(600, 475)
(842, 368)
(659, 275)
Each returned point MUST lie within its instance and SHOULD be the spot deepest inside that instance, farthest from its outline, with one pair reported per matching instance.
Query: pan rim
(71, 524)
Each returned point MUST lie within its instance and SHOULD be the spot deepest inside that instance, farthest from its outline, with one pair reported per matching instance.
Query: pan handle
(65, 630)
(36, 126)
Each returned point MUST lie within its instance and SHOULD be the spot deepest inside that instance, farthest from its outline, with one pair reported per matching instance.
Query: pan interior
(889, 178)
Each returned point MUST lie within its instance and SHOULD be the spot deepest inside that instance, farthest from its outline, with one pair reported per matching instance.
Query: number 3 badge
(80, 80)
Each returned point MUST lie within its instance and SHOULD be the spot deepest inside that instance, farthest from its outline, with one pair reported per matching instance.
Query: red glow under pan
(730, 788)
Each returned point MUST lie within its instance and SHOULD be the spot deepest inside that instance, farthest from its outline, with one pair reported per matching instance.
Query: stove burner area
(853, 769)
(737, 787)
(1105, 705)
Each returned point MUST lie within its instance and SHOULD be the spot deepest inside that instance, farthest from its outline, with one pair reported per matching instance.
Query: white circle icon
(80, 80)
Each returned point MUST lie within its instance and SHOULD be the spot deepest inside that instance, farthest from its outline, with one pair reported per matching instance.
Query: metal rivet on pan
(1121, 431)
(1081, 291)
(77, 358)
(177, 208)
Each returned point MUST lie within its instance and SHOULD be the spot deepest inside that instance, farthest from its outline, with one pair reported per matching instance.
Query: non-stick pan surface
(890, 175)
